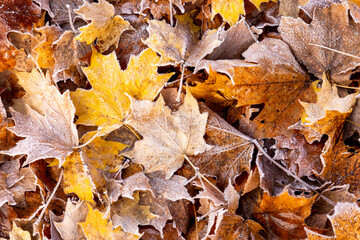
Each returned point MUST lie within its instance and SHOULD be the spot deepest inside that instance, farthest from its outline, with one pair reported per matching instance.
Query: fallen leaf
(128, 214)
(345, 222)
(230, 10)
(74, 214)
(231, 153)
(180, 44)
(98, 226)
(168, 137)
(105, 26)
(19, 234)
(277, 82)
(46, 121)
(76, 177)
(106, 104)
(301, 37)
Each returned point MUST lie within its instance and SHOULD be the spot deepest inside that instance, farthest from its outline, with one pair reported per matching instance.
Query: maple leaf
(231, 152)
(105, 26)
(76, 177)
(277, 82)
(345, 222)
(285, 214)
(46, 121)
(231, 9)
(74, 214)
(180, 44)
(301, 37)
(106, 104)
(160, 8)
(168, 137)
(128, 214)
(98, 226)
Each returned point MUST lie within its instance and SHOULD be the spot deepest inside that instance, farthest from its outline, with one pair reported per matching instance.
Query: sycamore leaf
(46, 121)
(98, 226)
(277, 82)
(128, 214)
(105, 26)
(231, 153)
(345, 221)
(74, 213)
(300, 36)
(106, 104)
(168, 137)
(180, 43)
(77, 178)
(231, 9)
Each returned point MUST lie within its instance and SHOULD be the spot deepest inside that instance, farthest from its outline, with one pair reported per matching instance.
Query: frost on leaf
(169, 137)
(45, 119)
(105, 26)
(343, 34)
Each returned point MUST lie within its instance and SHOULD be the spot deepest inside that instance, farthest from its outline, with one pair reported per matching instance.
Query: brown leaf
(74, 213)
(277, 82)
(300, 36)
(231, 152)
(300, 157)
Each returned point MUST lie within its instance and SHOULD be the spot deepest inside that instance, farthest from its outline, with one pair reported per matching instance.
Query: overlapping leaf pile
(160, 119)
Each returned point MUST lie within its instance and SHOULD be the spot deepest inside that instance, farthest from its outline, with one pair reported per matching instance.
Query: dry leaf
(300, 36)
(168, 137)
(106, 104)
(46, 121)
(105, 26)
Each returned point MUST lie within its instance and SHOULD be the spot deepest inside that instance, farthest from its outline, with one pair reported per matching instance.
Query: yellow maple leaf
(231, 9)
(97, 226)
(76, 177)
(105, 27)
(106, 104)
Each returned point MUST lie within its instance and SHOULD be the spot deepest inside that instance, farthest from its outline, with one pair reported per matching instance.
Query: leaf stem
(181, 83)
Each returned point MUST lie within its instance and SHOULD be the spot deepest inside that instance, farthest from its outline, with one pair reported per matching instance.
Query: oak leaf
(46, 121)
(301, 37)
(106, 104)
(181, 44)
(105, 26)
(168, 137)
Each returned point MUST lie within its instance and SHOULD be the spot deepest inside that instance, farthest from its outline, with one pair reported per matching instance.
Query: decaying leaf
(105, 26)
(301, 37)
(168, 137)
